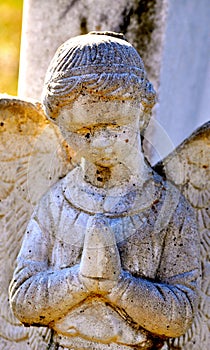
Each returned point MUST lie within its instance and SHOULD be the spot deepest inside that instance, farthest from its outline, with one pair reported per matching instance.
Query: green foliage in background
(10, 32)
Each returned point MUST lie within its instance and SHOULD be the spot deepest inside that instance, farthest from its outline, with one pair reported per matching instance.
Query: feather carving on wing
(33, 156)
(189, 168)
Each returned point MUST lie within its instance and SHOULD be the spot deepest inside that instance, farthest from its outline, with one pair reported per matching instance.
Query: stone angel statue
(98, 249)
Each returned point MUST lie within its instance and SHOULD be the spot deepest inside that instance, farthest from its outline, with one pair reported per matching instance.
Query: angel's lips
(105, 158)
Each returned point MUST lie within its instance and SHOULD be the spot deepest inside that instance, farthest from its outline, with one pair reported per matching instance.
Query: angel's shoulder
(185, 217)
(173, 203)
(53, 200)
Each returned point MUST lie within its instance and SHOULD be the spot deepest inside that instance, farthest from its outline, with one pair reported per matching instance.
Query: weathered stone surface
(110, 258)
(28, 165)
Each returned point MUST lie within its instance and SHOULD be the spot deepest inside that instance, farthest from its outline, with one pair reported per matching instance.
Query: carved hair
(98, 63)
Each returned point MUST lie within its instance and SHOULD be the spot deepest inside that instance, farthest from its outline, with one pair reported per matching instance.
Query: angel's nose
(102, 142)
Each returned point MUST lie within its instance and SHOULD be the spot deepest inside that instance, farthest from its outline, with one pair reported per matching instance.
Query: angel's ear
(33, 155)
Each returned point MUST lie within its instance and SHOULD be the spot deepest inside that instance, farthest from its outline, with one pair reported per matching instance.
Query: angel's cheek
(79, 144)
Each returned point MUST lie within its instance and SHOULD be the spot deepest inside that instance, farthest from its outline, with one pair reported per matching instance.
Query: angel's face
(103, 132)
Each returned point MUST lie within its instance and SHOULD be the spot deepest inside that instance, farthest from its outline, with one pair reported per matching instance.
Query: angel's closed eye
(88, 131)
(84, 132)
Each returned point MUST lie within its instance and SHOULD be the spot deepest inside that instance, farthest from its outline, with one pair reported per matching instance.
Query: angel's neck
(133, 169)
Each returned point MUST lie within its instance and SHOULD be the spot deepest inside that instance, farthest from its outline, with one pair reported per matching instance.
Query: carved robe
(158, 244)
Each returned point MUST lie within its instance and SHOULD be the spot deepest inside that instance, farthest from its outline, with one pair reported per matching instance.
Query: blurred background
(10, 32)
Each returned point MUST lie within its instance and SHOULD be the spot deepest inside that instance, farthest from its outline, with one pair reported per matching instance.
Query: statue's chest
(138, 245)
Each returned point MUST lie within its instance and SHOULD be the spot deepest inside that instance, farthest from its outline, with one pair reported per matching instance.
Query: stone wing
(33, 156)
(189, 168)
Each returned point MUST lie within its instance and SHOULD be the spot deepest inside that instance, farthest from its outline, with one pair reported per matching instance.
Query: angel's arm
(38, 293)
(166, 305)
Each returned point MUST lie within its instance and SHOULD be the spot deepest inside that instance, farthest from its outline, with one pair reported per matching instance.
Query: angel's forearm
(159, 308)
(45, 296)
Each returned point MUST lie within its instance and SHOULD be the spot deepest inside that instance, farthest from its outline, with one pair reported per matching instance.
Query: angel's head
(97, 79)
